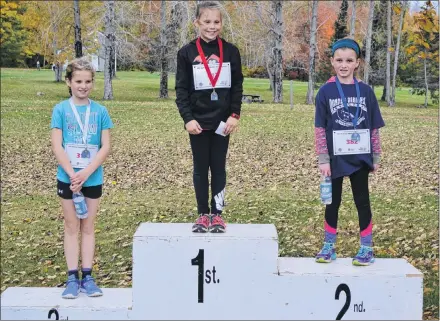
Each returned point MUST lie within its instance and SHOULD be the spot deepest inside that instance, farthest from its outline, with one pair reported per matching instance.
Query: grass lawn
(272, 178)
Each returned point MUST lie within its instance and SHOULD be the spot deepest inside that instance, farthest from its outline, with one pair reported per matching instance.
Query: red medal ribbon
(213, 80)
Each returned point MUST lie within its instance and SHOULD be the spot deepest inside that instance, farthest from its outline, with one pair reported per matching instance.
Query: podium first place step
(188, 269)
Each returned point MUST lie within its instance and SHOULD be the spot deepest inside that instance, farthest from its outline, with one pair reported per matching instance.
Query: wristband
(236, 116)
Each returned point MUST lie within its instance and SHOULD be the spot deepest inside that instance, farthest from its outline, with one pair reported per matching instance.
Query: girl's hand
(231, 125)
(325, 169)
(75, 188)
(376, 167)
(193, 127)
(80, 177)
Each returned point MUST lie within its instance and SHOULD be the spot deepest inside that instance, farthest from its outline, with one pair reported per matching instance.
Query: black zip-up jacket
(197, 104)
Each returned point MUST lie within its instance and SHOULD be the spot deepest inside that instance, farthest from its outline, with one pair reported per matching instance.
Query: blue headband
(346, 43)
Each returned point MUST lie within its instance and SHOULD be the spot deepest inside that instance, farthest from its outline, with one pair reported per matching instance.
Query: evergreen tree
(341, 31)
(341, 23)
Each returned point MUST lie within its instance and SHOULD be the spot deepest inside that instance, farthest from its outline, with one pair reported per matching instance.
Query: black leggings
(359, 188)
(209, 152)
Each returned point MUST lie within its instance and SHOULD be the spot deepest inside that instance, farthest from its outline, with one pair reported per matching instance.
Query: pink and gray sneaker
(202, 224)
(218, 225)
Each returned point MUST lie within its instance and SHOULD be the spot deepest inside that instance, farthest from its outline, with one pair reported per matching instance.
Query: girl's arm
(376, 122)
(182, 88)
(320, 137)
(320, 125)
(81, 176)
(58, 150)
(375, 142)
(236, 92)
(237, 82)
(321, 146)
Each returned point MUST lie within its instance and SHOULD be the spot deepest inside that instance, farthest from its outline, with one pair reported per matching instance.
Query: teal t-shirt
(64, 119)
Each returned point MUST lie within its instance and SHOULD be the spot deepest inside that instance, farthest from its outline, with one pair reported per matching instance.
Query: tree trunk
(163, 91)
(277, 51)
(388, 66)
(426, 80)
(113, 75)
(184, 23)
(368, 42)
(109, 48)
(310, 90)
(55, 52)
(269, 67)
(353, 18)
(396, 55)
(77, 19)
(173, 31)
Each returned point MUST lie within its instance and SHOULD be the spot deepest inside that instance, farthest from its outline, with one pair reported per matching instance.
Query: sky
(416, 5)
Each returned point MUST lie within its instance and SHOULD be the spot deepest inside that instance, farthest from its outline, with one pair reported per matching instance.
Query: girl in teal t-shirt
(81, 142)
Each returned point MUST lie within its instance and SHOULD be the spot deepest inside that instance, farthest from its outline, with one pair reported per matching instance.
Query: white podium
(202, 276)
(179, 275)
(389, 289)
(21, 303)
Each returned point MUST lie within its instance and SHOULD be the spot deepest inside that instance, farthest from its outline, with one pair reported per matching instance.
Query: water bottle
(326, 190)
(80, 205)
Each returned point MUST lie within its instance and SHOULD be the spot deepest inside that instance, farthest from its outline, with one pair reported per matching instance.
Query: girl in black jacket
(209, 87)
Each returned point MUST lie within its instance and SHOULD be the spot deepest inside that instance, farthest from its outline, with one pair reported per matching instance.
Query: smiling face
(345, 62)
(209, 24)
(81, 85)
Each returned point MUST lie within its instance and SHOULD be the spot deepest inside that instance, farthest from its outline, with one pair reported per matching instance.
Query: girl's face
(81, 84)
(345, 63)
(209, 24)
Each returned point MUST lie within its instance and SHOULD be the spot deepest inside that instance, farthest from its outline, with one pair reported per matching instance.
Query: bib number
(350, 142)
(81, 155)
(201, 80)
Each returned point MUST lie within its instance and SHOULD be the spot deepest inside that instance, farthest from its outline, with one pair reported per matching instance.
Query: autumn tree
(423, 52)
(50, 26)
(12, 33)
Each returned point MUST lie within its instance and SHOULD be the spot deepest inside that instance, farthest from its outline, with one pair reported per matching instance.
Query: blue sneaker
(72, 288)
(364, 256)
(327, 253)
(89, 287)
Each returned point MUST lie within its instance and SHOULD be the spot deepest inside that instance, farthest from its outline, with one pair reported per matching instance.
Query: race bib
(201, 79)
(349, 142)
(81, 155)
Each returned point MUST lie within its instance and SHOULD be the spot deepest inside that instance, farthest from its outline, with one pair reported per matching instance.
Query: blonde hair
(78, 64)
(208, 5)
